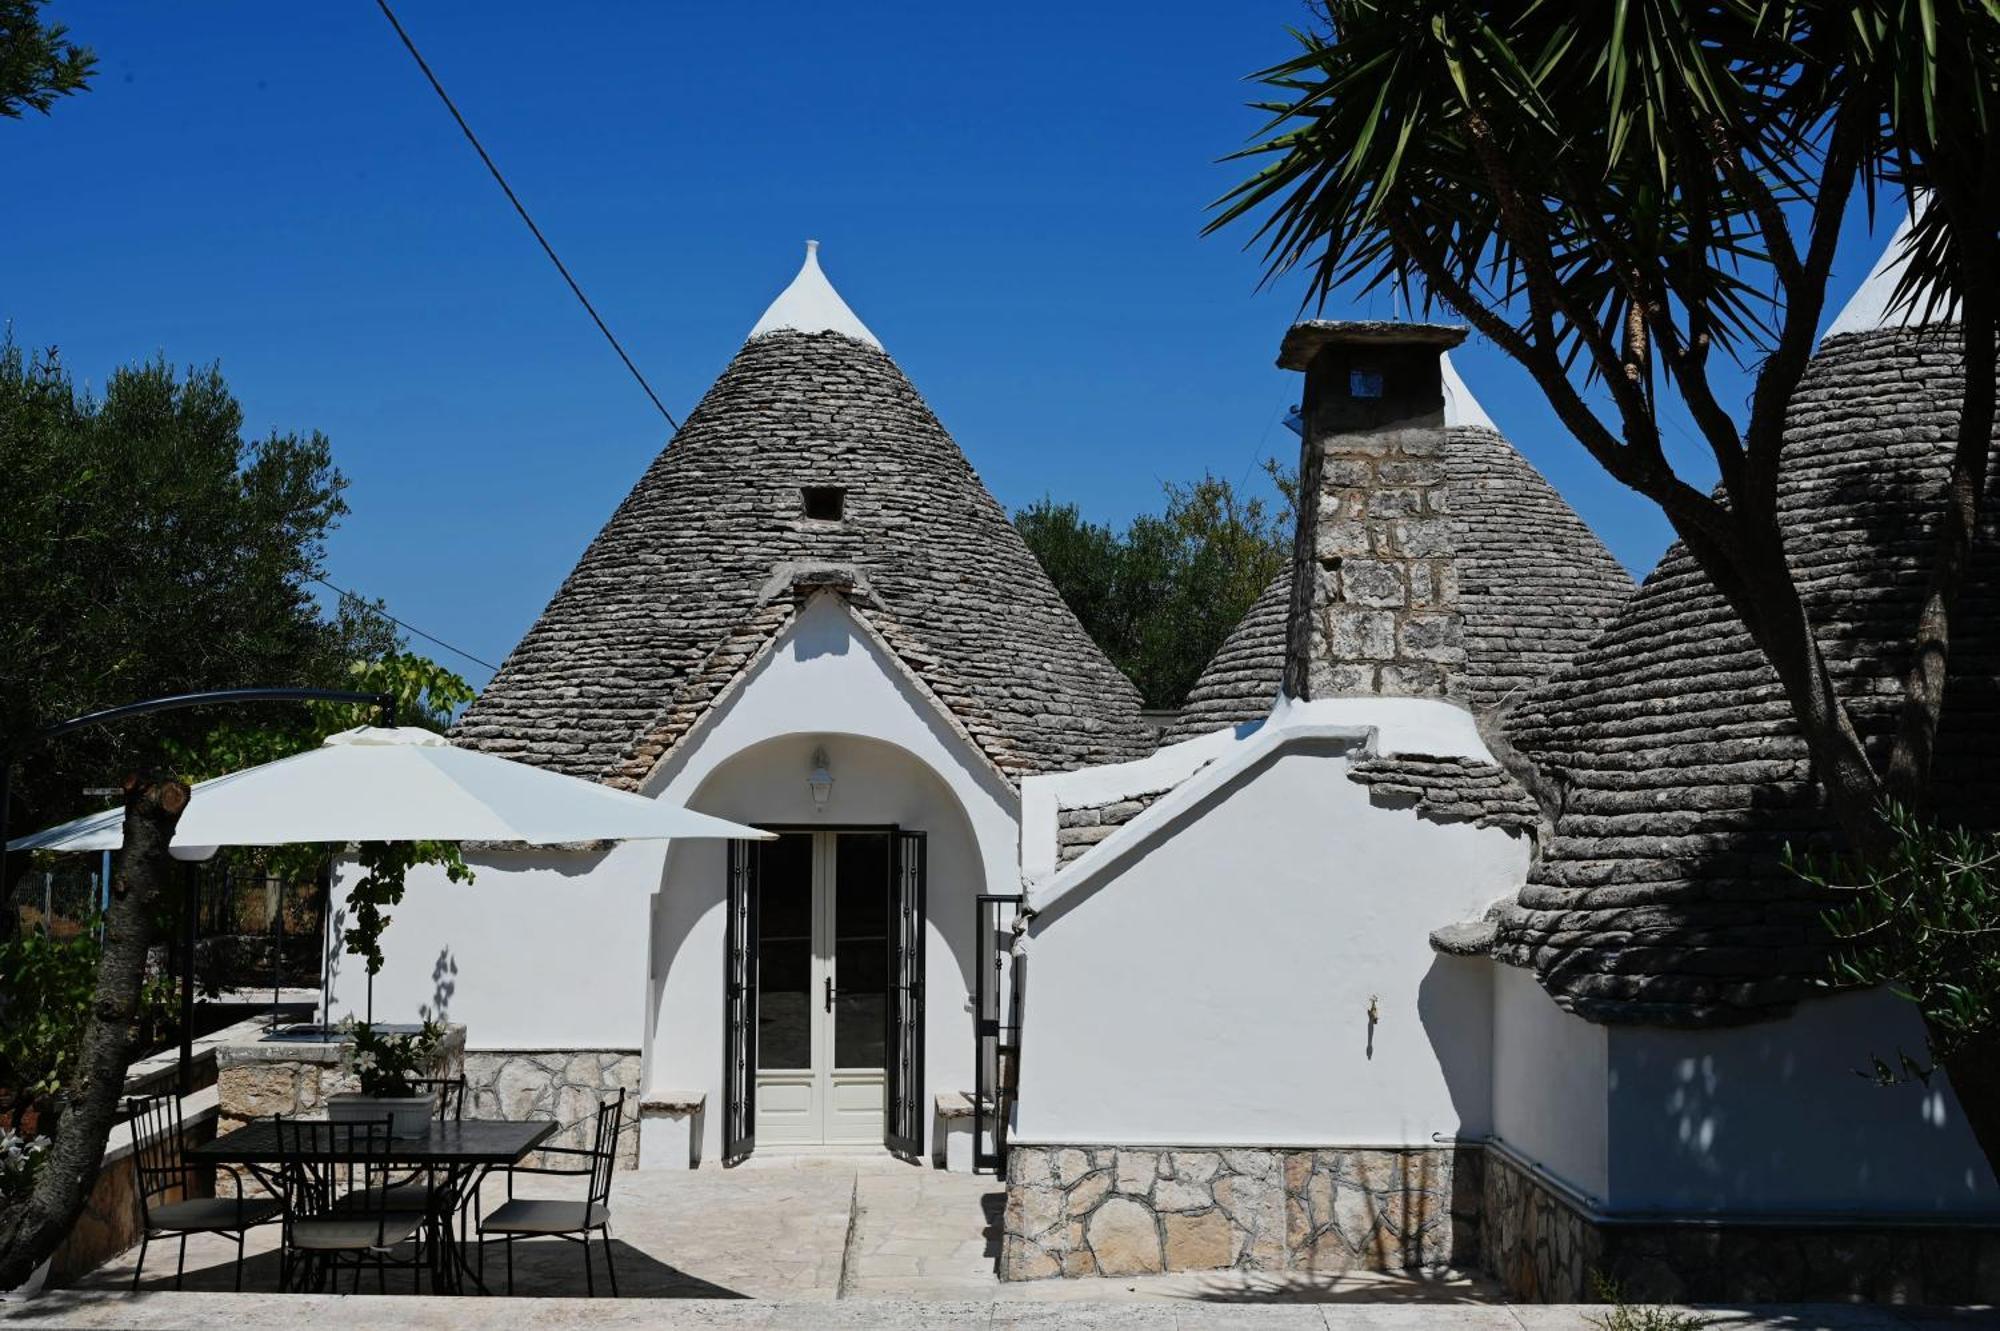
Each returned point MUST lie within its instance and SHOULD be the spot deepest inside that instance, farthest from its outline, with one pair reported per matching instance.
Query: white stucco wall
(623, 949)
(1212, 984)
(1774, 1117)
(542, 950)
(1551, 1083)
(895, 759)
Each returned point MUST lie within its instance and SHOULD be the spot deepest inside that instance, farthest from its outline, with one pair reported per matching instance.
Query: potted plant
(21, 1158)
(387, 1066)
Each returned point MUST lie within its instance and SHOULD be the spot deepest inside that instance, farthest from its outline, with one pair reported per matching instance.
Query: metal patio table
(456, 1154)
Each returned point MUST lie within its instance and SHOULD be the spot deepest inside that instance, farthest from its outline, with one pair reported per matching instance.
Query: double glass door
(822, 984)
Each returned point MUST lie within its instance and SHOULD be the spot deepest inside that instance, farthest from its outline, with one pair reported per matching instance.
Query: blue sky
(1010, 196)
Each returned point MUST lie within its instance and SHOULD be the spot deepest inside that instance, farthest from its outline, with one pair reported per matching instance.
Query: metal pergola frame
(385, 702)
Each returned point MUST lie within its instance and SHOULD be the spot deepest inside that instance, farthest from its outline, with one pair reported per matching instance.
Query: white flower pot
(410, 1114)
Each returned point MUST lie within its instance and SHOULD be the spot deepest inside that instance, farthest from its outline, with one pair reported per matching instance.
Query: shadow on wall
(1455, 1007)
(444, 983)
(1787, 1115)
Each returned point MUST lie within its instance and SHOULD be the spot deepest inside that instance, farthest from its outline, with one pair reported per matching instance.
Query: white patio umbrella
(397, 784)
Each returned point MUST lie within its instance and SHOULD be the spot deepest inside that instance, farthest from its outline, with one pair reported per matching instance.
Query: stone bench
(670, 1129)
(952, 1139)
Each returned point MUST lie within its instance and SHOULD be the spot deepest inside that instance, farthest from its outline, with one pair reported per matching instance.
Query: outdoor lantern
(820, 783)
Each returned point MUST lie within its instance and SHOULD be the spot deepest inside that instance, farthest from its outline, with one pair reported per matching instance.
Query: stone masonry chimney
(1374, 608)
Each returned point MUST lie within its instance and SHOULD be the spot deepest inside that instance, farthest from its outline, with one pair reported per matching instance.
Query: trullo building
(1326, 990)
(809, 611)
(1446, 928)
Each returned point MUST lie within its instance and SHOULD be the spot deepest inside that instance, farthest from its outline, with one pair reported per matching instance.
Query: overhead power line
(374, 609)
(514, 199)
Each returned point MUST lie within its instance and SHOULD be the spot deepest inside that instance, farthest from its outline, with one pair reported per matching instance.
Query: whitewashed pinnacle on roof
(1460, 406)
(811, 305)
(1875, 305)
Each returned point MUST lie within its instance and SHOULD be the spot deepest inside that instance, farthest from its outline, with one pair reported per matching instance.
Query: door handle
(829, 993)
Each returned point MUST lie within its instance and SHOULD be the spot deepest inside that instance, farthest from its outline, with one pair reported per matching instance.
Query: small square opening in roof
(824, 503)
(1364, 381)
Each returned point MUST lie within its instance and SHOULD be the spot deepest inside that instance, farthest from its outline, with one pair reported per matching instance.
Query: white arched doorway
(808, 925)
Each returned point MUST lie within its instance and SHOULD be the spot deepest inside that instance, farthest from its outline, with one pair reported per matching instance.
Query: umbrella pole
(192, 887)
(325, 944)
(277, 962)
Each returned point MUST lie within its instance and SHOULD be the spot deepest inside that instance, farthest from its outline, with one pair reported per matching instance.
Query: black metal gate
(903, 1117)
(739, 1041)
(997, 1030)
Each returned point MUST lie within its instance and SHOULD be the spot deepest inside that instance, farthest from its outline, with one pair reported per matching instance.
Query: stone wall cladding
(669, 598)
(1380, 592)
(1123, 1211)
(1077, 830)
(1535, 585)
(1544, 1248)
(566, 1085)
(1450, 789)
(1661, 898)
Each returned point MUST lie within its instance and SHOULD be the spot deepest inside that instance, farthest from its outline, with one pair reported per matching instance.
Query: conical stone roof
(1660, 898)
(1535, 584)
(697, 564)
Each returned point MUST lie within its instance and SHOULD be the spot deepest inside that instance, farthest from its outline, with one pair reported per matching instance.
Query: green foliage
(1645, 154)
(149, 549)
(1160, 597)
(21, 1158)
(46, 985)
(385, 1065)
(38, 62)
(1637, 1317)
(1921, 916)
(383, 867)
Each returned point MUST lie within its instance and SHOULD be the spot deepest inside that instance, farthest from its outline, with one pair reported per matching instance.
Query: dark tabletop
(473, 1141)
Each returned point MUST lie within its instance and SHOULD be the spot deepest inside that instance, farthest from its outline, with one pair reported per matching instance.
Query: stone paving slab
(368, 1312)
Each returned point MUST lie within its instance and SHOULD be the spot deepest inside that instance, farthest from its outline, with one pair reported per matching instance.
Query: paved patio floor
(835, 1241)
(800, 1228)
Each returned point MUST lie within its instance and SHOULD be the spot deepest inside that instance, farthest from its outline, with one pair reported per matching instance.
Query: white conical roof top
(1460, 406)
(811, 305)
(1875, 304)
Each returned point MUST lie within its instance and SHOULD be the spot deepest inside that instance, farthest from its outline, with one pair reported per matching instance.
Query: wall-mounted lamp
(820, 783)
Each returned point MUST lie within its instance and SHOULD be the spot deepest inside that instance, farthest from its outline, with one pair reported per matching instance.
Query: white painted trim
(811, 305)
(1460, 406)
(1873, 304)
(1376, 726)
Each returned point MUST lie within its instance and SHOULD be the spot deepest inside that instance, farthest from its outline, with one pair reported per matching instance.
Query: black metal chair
(332, 1216)
(161, 1169)
(450, 1092)
(417, 1189)
(536, 1217)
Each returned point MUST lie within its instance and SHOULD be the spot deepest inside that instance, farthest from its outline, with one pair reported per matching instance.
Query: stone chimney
(1374, 608)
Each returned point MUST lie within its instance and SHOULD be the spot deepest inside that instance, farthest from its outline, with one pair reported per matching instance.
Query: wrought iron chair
(332, 1217)
(536, 1217)
(160, 1169)
(417, 1189)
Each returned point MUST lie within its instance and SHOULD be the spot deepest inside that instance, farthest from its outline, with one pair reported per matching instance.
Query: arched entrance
(818, 985)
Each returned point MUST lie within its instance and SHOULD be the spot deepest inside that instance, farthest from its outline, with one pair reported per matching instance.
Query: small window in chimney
(824, 503)
(1364, 381)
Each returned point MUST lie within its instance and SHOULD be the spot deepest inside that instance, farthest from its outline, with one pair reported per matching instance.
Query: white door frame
(823, 1105)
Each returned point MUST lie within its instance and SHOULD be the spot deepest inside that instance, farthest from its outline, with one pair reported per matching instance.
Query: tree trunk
(1755, 578)
(31, 1231)
(1975, 1075)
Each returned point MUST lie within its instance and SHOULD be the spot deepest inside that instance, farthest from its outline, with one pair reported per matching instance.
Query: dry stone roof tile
(674, 594)
(1535, 585)
(1660, 898)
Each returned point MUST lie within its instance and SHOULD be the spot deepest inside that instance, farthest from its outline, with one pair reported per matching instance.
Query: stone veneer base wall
(1122, 1211)
(1542, 1245)
(566, 1085)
